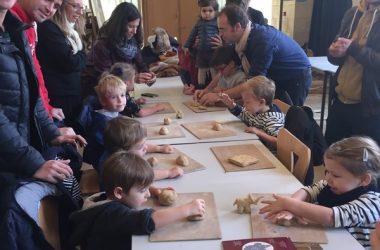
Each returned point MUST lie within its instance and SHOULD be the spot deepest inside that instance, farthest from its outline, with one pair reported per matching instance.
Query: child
(126, 72)
(109, 219)
(226, 62)
(204, 30)
(123, 133)
(347, 196)
(259, 113)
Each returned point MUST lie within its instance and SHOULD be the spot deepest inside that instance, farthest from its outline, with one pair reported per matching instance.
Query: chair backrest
(293, 153)
(284, 107)
(48, 219)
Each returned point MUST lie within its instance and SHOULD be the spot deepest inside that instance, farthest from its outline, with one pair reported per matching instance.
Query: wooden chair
(89, 182)
(49, 221)
(284, 107)
(288, 146)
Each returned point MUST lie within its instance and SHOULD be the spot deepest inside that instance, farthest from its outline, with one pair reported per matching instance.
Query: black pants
(347, 120)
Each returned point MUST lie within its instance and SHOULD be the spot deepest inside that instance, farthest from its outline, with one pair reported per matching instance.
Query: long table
(226, 187)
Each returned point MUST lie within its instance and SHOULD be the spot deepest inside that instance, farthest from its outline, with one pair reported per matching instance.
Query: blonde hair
(359, 155)
(262, 88)
(109, 85)
(123, 133)
(124, 71)
(124, 169)
(60, 18)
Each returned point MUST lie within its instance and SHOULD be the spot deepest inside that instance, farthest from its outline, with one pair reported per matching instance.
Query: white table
(224, 117)
(226, 188)
(321, 63)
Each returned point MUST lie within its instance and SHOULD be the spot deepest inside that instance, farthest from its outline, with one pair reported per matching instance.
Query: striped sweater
(358, 216)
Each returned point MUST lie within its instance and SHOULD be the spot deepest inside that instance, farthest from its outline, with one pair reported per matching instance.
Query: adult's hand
(54, 171)
(216, 42)
(57, 113)
(149, 78)
(199, 93)
(66, 131)
(209, 99)
(339, 47)
(72, 139)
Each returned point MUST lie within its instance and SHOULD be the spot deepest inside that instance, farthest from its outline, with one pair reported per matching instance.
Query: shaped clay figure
(179, 114)
(244, 204)
(167, 121)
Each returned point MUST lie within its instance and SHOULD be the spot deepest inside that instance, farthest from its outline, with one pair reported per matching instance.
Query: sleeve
(16, 154)
(192, 36)
(365, 55)
(52, 43)
(48, 128)
(314, 190)
(274, 122)
(250, 119)
(362, 211)
(261, 58)
(237, 110)
(102, 56)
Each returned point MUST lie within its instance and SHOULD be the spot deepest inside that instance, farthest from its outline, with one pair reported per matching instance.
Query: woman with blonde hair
(60, 50)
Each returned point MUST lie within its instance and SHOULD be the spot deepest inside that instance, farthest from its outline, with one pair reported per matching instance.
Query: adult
(25, 131)
(32, 12)
(60, 51)
(355, 108)
(264, 51)
(255, 16)
(120, 39)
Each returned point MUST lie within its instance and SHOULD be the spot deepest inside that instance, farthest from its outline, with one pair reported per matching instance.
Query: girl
(347, 197)
(126, 72)
(201, 36)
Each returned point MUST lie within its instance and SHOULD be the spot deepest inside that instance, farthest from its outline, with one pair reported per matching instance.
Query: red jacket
(31, 35)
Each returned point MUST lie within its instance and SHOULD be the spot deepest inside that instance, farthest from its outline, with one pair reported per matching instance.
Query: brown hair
(124, 71)
(235, 15)
(262, 88)
(124, 169)
(358, 155)
(108, 85)
(123, 133)
(205, 3)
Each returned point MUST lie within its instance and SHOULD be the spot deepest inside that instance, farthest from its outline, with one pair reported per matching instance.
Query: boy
(109, 219)
(259, 113)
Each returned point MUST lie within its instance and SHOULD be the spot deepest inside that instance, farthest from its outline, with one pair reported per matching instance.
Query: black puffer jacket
(24, 124)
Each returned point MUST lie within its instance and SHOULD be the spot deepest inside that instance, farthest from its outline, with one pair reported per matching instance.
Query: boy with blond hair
(109, 219)
(262, 117)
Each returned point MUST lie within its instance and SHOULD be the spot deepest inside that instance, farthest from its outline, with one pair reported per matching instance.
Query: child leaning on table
(109, 219)
(126, 72)
(347, 197)
(262, 117)
(123, 133)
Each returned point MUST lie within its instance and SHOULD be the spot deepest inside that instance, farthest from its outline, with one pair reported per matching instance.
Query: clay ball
(164, 131)
(179, 114)
(167, 197)
(167, 121)
(196, 217)
(182, 161)
(152, 161)
(217, 126)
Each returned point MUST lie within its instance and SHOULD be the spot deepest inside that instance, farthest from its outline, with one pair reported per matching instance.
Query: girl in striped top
(347, 197)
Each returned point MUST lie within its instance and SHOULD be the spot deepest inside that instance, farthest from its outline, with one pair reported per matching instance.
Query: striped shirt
(270, 122)
(358, 216)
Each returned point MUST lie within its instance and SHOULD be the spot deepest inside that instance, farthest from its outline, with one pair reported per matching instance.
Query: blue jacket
(273, 54)
(204, 30)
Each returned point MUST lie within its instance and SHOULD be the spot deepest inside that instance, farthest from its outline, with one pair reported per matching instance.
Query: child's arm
(316, 213)
(149, 111)
(165, 149)
(160, 174)
(227, 101)
(166, 216)
(268, 139)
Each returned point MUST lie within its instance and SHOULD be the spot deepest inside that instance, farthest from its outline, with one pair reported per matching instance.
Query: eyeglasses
(76, 7)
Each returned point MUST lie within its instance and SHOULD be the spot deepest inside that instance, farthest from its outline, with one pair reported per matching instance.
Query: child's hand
(252, 130)
(159, 107)
(197, 207)
(274, 206)
(227, 100)
(166, 149)
(175, 172)
(141, 100)
(188, 89)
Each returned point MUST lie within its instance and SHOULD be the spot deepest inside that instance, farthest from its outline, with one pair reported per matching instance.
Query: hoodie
(108, 224)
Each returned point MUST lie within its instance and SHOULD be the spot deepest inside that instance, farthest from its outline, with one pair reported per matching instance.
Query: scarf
(329, 199)
(241, 46)
(74, 39)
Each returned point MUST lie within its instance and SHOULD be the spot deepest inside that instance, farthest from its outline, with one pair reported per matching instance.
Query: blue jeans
(29, 195)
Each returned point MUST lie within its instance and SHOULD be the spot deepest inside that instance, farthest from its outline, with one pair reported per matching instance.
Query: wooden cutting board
(153, 130)
(197, 108)
(167, 161)
(262, 227)
(204, 130)
(168, 107)
(223, 153)
(206, 229)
